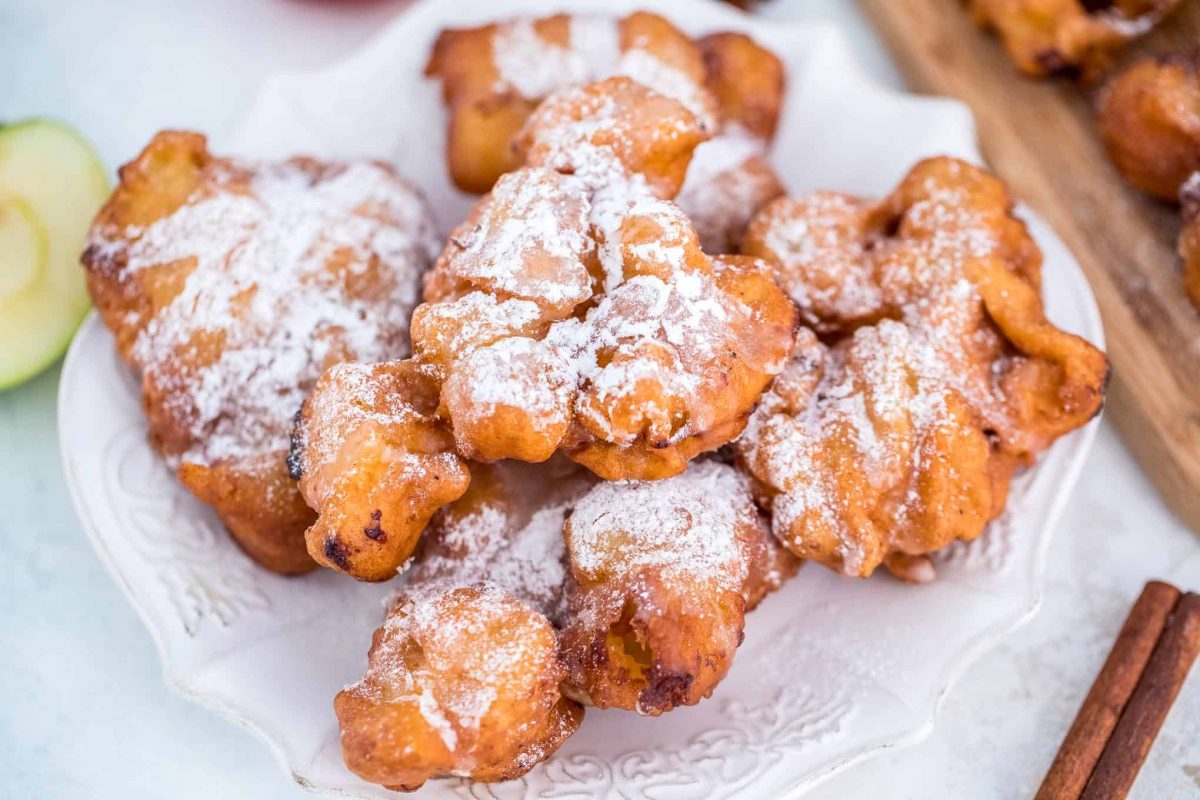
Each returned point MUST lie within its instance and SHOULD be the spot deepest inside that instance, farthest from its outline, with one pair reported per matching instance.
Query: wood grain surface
(1041, 138)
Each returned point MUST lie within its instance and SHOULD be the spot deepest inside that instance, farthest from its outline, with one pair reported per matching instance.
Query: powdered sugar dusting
(513, 538)
(819, 244)
(546, 241)
(855, 415)
(457, 681)
(677, 528)
(847, 429)
(535, 68)
(728, 182)
(654, 327)
(298, 267)
(360, 400)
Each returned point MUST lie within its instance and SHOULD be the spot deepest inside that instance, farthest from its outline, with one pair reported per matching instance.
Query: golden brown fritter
(575, 311)
(230, 285)
(613, 131)
(746, 80)
(661, 575)
(864, 453)
(259, 503)
(941, 378)
(507, 530)
(728, 182)
(1150, 122)
(494, 76)
(462, 680)
(375, 461)
(846, 261)
(1067, 37)
(734, 86)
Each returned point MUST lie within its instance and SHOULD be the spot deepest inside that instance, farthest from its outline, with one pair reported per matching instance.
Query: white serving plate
(832, 670)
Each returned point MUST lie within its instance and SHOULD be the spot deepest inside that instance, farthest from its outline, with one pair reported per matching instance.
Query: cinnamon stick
(1147, 708)
(1111, 691)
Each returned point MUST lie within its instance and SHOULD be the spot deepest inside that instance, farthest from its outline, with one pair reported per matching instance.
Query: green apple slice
(51, 185)
(24, 245)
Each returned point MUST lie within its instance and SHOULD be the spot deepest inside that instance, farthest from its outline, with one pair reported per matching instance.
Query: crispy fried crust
(507, 530)
(1067, 37)
(575, 311)
(494, 76)
(729, 179)
(261, 507)
(747, 81)
(1150, 121)
(938, 377)
(189, 266)
(583, 131)
(826, 245)
(376, 462)
(661, 574)
(728, 183)
(844, 505)
(733, 85)
(462, 680)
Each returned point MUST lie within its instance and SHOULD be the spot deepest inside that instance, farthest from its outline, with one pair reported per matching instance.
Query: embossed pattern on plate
(832, 670)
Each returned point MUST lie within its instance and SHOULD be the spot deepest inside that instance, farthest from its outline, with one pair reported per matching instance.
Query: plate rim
(826, 32)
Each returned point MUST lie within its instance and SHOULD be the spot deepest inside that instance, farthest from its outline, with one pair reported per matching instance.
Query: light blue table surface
(84, 712)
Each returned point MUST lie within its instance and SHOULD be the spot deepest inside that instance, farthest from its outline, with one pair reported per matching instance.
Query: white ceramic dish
(832, 670)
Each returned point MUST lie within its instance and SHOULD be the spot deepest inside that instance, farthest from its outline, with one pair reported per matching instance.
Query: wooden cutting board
(1041, 137)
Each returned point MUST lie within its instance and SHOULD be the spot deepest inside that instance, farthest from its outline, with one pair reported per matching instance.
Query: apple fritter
(1067, 37)
(376, 462)
(462, 680)
(577, 314)
(507, 530)
(941, 375)
(1150, 121)
(494, 76)
(661, 574)
(230, 285)
(746, 80)
(615, 131)
(730, 179)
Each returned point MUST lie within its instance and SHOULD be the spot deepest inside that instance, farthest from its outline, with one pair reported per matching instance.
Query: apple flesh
(51, 185)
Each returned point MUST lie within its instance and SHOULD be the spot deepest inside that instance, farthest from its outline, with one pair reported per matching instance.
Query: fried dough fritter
(574, 309)
(375, 461)
(1149, 118)
(462, 680)
(615, 131)
(507, 530)
(494, 76)
(258, 502)
(464, 675)
(230, 285)
(1067, 37)
(729, 179)
(728, 182)
(943, 376)
(868, 454)
(661, 574)
(847, 262)
(747, 82)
